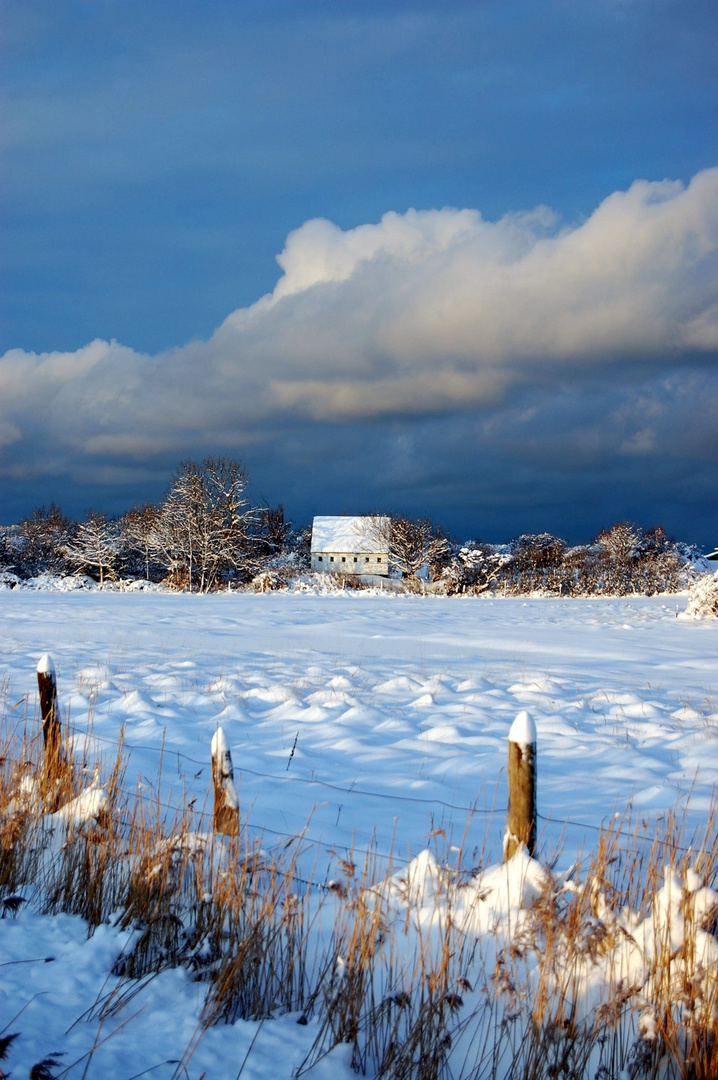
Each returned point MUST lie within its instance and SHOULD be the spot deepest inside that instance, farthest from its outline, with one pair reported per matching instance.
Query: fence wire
(628, 832)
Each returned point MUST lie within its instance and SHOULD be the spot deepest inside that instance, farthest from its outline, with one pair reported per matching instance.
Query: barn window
(319, 558)
(331, 558)
(355, 559)
(379, 559)
(344, 558)
(366, 559)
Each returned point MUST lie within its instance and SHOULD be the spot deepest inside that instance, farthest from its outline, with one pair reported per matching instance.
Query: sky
(447, 258)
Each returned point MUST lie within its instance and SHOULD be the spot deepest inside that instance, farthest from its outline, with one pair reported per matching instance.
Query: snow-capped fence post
(47, 686)
(226, 803)
(521, 819)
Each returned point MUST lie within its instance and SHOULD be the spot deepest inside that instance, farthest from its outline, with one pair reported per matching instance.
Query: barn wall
(344, 563)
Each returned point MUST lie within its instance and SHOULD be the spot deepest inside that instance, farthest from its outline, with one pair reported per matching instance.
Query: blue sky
(504, 317)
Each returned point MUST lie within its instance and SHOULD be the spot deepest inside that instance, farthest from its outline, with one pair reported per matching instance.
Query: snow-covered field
(357, 719)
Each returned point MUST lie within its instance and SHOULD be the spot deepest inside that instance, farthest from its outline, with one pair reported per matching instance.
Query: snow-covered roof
(347, 535)
(713, 555)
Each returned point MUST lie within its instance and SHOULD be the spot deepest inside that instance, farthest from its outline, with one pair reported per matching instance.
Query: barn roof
(361, 535)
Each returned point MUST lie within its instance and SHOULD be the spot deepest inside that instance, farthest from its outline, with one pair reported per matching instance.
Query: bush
(703, 599)
(269, 581)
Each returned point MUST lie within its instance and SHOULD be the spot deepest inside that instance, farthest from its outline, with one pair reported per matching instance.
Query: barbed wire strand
(166, 751)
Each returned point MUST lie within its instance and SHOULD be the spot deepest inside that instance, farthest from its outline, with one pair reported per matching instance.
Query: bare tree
(204, 524)
(622, 546)
(412, 545)
(582, 570)
(43, 537)
(536, 562)
(94, 547)
(475, 568)
(138, 530)
(272, 528)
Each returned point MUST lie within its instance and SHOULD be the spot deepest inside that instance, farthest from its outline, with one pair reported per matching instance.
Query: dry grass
(610, 971)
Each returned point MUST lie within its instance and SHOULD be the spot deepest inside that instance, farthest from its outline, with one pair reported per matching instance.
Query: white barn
(350, 545)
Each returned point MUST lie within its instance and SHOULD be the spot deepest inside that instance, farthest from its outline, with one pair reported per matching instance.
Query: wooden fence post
(226, 803)
(47, 685)
(521, 820)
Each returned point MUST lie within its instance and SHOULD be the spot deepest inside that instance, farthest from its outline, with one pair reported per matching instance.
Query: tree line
(621, 560)
(205, 535)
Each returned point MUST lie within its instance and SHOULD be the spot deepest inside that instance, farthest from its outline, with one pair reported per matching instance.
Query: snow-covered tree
(621, 544)
(94, 548)
(204, 527)
(536, 562)
(474, 568)
(638, 562)
(138, 529)
(659, 566)
(413, 545)
(581, 570)
(43, 537)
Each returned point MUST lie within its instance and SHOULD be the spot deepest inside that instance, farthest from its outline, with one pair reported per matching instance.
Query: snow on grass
(363, 724)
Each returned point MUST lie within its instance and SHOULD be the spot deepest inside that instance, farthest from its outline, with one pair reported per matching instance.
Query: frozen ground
(361, 716)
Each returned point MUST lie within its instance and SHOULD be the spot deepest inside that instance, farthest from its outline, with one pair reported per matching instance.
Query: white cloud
(423, 313)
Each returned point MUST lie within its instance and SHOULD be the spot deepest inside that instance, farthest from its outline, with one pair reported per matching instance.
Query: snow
(220, 753)
(365, 723)
(45, 666)
(523, 730)
(350, 535)
(84, 809)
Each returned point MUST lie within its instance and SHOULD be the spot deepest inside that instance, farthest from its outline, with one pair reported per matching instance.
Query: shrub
(269, 581)
(703, 599)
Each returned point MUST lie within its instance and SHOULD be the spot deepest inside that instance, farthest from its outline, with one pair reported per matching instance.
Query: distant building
(350, 545)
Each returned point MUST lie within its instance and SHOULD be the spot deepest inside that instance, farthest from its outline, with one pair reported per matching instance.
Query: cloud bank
(428, 314)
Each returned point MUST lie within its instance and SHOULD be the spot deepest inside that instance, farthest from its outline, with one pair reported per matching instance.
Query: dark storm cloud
(573, 348)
